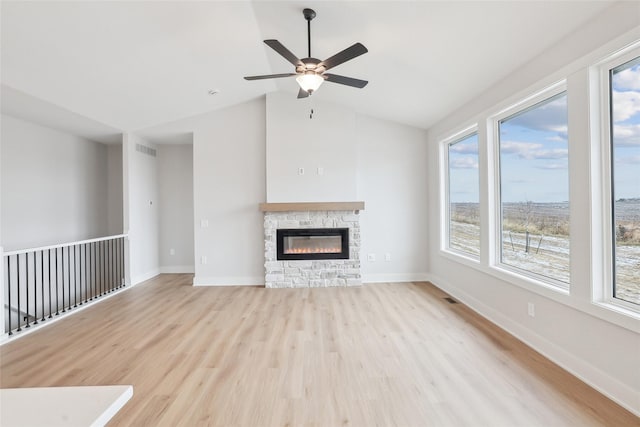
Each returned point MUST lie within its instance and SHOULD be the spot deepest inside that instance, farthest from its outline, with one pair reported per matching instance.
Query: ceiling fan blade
(349, 81)
(283, 51)
(269, 76)
(344, 56)
(302, 93)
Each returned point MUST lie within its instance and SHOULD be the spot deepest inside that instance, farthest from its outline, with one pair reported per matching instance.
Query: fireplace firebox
(312, 243)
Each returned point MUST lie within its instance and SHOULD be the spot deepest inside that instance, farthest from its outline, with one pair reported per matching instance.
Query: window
(534, 190)
(463, 232)
(624, 91)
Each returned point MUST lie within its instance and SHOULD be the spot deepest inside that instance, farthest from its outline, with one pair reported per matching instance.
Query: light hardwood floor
(376, 355)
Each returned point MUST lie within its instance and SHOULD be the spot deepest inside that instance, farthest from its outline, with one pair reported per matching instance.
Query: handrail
(61, 245)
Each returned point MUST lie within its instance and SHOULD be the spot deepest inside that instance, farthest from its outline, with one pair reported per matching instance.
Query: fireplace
(312, 243)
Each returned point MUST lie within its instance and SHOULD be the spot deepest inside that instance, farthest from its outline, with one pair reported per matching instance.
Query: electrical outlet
(172, 251)
(387, 257)
(320, 171)
(531, 309)
(203, 259)
(300, 171)
(204, 223)
(371, 257)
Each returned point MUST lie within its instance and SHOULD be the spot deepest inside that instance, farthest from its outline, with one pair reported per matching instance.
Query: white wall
(141, 209)
(380, 162)
(175, 183)
(229, 183)
(384, 165)
(54, 186)
(114, 189)
(392, 180)
(596, 344)
(295, 141)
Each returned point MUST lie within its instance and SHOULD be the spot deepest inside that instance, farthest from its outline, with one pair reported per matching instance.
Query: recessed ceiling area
(131, 66)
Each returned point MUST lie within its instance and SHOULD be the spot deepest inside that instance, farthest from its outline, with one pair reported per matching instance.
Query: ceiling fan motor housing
(310, 65)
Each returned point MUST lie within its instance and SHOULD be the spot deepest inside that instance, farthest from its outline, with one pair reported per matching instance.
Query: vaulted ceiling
(128, 66)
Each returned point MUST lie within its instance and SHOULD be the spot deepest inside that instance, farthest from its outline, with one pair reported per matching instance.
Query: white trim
(445, 190)
(594, 377)
(493, 147)
(460, 257)
(228, 281)
(177, 269)
(145, 276)
(617, 316)
(603, 237)
(62, 245)
(395, 277)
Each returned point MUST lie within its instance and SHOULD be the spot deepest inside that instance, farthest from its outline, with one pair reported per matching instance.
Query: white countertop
(62, 406)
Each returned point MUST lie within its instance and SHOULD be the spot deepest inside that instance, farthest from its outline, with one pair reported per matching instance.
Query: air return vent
(146, 150)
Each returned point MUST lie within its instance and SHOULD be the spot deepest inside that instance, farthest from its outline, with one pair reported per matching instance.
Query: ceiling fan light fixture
(309, 82)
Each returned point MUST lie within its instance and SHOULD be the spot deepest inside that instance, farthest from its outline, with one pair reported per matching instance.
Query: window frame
(445, 211)
(602, 145)
(493, 127)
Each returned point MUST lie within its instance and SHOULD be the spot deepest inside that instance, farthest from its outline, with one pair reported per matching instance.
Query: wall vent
(146, 150)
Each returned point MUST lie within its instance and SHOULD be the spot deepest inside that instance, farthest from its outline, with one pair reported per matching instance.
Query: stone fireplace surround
(314, 273)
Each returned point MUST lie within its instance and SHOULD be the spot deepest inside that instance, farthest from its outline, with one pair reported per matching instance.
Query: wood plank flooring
(376, 355)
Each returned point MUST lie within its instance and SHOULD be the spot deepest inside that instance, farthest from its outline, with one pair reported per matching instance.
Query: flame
(313, 251)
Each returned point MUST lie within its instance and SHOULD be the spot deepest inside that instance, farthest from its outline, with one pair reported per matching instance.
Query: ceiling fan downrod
(309, 14)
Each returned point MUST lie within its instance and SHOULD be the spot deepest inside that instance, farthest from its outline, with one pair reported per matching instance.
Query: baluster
(102, 267)
(118, 268)
(111, 281)
(35, 290)
(57, 283)
(84, 247)
(107, 262)
(9, 289)
(18, 272)
(123, 271)
(93, 269)
(42, 284)
(26, 272)
(49, 263)
(69, 277)
(98, 268)
(75, 278)
(64, 305)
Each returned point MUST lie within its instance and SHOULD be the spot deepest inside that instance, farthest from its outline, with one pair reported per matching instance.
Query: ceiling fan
(311, 72)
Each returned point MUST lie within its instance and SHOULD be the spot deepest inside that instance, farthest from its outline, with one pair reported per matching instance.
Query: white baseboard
(177, 269)
(395, 277)
(145, 276)
(229, 281)
(611, 387)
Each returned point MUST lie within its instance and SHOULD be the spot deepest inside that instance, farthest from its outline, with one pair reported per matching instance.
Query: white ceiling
(130, 66)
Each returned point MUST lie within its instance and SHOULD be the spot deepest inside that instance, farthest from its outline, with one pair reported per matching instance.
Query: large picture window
(463, 197)
(624, 87)
(534, 191)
